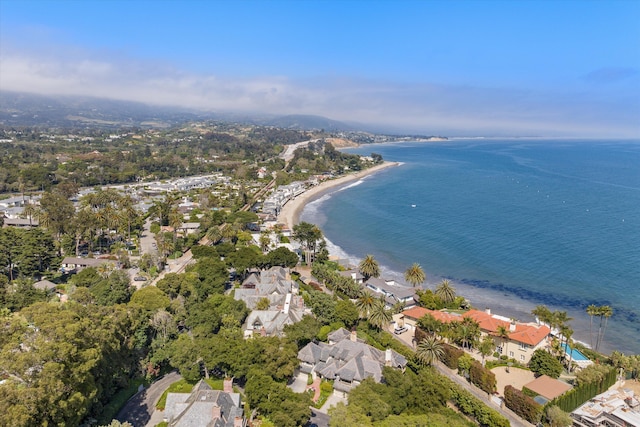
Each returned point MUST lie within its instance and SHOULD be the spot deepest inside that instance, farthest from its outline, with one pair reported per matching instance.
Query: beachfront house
(392, 291)
(521, 341)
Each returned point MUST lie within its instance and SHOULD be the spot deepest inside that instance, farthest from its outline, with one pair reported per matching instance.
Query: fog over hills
(25, 109)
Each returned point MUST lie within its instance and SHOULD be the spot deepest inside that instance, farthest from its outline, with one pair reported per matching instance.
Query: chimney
(238, 422)
(227, 385)
(387, 357)
(215, 413)
(354, 336)
(512, 327)
(488, 311)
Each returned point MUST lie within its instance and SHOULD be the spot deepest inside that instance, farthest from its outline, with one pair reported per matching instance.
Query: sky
(454, 68)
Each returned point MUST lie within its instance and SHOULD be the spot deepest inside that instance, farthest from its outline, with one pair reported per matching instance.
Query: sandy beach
(290, 213)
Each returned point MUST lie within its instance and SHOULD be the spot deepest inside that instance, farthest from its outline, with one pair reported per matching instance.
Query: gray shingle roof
(197, 409)
(349, 360)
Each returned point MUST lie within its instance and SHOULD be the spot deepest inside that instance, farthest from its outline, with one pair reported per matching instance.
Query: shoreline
(290, 213)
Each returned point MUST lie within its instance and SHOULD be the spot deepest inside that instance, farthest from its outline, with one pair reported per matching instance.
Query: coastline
(290, 213)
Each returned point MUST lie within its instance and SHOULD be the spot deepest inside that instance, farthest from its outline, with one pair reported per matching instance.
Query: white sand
(290, 213)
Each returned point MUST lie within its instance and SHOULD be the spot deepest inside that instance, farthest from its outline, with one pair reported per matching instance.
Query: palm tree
(430, 325)
(175, 221)
(214, 234)
(369, 267)
(592, 310)
(265, 242)
(415, 275)
(604, 312)
(379, 316)
(543, 314)
(29, 211)
(446, 292)
(307, 234)
(365, 303)
(566, 332)
(429, 350)
(470, 332)
(503, 333)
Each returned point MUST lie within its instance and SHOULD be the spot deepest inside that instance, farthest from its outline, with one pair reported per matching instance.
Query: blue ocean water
(512, 223)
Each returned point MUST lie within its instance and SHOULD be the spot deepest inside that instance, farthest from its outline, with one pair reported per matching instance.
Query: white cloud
(416, 107)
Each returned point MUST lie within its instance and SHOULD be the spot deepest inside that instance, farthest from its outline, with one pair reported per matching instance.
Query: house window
(522, 357)
(511, 354)
(523, 346)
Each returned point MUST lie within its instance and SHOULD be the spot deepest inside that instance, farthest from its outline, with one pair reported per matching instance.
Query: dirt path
(140, 407)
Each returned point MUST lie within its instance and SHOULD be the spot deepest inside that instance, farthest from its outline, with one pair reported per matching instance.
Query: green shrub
(544, 363)
(469, 405)
(585, 391)
(482, 377)
(522, 404)
(451, 355)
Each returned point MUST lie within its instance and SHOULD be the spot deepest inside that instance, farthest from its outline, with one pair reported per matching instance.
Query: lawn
(182, 386)
(119, 399)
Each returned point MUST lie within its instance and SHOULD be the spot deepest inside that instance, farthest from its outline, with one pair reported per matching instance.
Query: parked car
(400, 329)
(140, 279)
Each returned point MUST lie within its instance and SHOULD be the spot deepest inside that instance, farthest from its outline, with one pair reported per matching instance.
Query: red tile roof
(415, 312)
(442, 316)
(524, 333)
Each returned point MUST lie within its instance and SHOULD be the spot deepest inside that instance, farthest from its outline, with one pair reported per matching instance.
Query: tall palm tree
(604, 312)
(29, 211)
(429, 350)
(446, 292)
(415, 275)
(543, 314)
(566, 332)
(379, 316)
(503, 333)
(369, 267)
(468, 332)
(592, 310)
(365, 303)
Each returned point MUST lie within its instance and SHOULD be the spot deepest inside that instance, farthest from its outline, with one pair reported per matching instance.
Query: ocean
(511, 223)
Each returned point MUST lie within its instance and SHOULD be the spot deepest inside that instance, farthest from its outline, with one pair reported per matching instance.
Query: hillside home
(347, 360)
(286, 306)
(74, 265)
(204, 407)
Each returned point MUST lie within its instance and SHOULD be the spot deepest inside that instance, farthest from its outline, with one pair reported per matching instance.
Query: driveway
(140, 407)
(318, 419)
(299, 384)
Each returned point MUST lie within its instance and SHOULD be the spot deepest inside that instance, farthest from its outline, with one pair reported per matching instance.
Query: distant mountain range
(24, 109)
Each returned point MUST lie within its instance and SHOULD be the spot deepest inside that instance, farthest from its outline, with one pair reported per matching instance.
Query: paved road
(140, 407)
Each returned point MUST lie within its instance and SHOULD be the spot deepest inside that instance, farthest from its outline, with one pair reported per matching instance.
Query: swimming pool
(574, 354)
